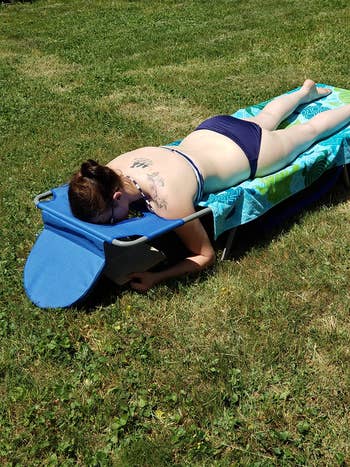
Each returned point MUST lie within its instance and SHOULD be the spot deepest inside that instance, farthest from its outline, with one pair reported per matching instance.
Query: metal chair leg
(227, 250)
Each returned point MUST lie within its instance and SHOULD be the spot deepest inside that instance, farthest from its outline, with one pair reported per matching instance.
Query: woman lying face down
(221, 152)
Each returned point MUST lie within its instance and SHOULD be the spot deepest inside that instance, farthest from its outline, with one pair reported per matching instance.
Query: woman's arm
(196, 240)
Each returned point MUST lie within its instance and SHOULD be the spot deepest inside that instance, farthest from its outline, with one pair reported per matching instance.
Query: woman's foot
(312, 92)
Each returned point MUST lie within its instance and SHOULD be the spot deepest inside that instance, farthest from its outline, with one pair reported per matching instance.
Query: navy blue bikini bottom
(246, 134)
(199, 176)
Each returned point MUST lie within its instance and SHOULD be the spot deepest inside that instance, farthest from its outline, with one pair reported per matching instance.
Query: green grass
(248, 364)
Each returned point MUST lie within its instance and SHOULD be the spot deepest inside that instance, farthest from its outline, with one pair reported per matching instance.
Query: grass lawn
(247, 364)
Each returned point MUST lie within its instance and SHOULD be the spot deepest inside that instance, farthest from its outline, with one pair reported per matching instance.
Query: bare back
(169, 179)
(164, 176)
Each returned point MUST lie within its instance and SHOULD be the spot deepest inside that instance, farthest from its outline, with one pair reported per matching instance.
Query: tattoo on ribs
(141, 162)
(156, 181)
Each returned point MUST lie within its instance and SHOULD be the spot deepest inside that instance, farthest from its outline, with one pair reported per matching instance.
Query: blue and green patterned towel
(252, 198)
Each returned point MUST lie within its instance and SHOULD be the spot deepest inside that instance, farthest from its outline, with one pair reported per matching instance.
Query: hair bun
(91, 189)
(100, 174)
(88, 168)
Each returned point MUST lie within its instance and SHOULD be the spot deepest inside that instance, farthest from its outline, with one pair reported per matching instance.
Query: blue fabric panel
(57, 212)
(59, 271)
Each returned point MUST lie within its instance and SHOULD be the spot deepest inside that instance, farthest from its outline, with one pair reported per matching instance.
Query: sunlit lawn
(247, 364)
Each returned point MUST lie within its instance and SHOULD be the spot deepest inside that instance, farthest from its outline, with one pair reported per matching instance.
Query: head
(95, 194)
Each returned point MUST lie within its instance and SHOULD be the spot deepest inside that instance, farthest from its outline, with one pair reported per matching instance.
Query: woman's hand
(142, 281)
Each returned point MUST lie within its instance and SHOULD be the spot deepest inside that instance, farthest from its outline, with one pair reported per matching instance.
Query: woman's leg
(281, 147)
(279, 108)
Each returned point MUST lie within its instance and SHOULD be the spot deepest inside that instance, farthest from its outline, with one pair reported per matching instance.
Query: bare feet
(312, 92)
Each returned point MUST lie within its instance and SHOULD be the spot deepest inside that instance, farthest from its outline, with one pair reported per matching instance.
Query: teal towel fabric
(252, 198)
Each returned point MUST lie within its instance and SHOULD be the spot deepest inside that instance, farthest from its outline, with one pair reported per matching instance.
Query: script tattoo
(156, 181)
(141, 163)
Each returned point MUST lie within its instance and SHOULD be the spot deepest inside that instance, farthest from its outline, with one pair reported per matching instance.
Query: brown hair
(91, 190)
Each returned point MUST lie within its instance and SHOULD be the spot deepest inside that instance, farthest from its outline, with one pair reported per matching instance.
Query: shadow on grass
(281, 218)
(104, 293)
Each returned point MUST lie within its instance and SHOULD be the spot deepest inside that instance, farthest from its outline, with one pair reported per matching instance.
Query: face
(117, 212)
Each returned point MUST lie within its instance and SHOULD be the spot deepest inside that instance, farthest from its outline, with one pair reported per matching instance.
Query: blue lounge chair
(70, 255)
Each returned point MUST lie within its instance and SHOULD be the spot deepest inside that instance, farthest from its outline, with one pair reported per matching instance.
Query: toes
(323, 91)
